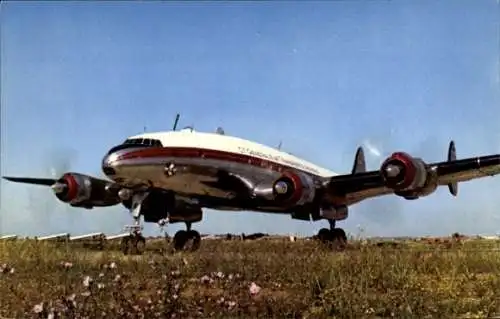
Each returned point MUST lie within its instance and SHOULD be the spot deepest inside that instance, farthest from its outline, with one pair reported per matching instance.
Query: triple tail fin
(359, 165)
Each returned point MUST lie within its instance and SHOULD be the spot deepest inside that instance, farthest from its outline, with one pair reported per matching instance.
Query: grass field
(251, 279)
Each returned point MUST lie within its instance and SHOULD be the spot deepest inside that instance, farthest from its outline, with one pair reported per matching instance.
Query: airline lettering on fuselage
(276, 158)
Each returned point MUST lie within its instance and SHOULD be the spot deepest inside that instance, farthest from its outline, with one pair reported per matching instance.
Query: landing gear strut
(336, 236)
(135, 243)
(183, 237)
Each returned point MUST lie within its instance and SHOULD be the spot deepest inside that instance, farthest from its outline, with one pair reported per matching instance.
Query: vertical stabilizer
(359, 165)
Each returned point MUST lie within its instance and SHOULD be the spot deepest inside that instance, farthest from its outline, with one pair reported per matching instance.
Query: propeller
(377, 149)
(57, 163)
(60, 161)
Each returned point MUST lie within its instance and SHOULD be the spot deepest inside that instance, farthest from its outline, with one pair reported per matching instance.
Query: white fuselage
(191, 139)
(190, 164)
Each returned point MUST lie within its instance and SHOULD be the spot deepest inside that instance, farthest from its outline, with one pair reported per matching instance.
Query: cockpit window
(143, 141)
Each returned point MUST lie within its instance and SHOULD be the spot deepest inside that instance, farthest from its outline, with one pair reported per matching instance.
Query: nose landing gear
(135, 243)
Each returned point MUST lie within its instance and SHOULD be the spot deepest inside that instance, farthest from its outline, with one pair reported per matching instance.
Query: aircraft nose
(108, 164)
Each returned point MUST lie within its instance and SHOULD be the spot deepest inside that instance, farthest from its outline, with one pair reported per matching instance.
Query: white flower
(87, 281)
(6, 269)
(254, 289)
(205, 279)
(219, 274)
(71, 298)
(38, 308)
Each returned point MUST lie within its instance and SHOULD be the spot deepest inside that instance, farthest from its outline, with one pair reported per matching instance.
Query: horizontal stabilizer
(30, 180)
(359, 165)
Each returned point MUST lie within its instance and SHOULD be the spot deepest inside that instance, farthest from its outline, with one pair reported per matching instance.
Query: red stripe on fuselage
(153, 152)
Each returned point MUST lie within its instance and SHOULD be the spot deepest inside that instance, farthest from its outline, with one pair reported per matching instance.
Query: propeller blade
(452, 156)
(30, 180)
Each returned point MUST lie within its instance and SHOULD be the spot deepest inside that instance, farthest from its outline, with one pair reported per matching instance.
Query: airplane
(170, 177)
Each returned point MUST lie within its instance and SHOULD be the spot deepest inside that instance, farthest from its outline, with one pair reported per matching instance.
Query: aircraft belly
(189, 175)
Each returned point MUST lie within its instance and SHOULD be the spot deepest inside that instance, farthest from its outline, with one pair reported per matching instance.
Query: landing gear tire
(339, 238)
(324, 235)
(336, 238)
(133, 245)
(182, 237)
(196, 239)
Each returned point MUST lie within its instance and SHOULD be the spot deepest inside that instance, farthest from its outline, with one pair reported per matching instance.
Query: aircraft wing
(407, 176)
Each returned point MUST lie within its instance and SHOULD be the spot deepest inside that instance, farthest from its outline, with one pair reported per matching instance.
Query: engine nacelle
(409, 177)
(402, 172)
(186, 213)
(294, 189)
(84, 191)
(334, 213)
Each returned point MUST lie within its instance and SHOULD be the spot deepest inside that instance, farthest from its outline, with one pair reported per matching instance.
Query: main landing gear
(335, 236)
(187, 239)
(135, 242)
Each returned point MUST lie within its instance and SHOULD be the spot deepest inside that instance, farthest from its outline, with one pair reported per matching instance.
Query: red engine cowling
(402, 172)
(294, 189)
(86, 191)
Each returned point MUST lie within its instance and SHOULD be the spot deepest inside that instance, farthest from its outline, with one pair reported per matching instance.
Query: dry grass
(291, 279)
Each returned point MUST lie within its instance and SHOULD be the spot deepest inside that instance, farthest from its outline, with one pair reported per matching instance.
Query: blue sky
(323, 77)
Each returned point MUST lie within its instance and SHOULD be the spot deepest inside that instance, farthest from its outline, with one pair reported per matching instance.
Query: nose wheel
(187, 240)
(134, 244)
